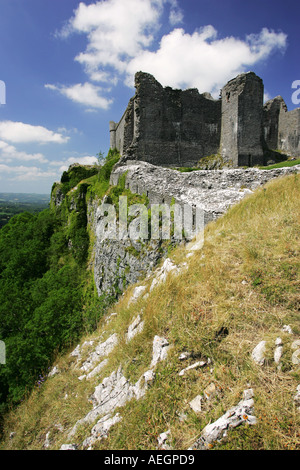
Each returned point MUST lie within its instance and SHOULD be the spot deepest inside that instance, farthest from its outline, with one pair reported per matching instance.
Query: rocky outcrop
(115, 390)
(240, 414)
(213, 191)
(122, 262)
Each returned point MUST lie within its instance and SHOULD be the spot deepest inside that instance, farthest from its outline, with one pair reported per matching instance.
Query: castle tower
(289, 132)
(271, 113)
(241, 128)
(112, 134)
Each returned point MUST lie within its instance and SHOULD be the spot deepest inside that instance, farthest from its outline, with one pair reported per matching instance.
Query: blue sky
(68, 68)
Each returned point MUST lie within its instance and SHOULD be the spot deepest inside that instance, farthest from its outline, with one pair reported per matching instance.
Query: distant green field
(15, 203)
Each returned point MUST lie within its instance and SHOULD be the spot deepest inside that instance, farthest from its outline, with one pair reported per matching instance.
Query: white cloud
(122, 39)
(267, 96)
(203, 61)
(24, 173)
(19, 132)
(117, 31)
(176, 15)
(9, 153)
(86, 94)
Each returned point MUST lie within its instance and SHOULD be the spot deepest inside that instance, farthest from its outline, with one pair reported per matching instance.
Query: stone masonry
(176, 128)
(242, 106)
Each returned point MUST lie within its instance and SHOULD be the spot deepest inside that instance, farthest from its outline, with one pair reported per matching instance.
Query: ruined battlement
(171, 127)
(242, 106)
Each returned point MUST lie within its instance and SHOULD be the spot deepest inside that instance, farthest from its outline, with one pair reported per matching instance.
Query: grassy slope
(245, 279)
(281, 164)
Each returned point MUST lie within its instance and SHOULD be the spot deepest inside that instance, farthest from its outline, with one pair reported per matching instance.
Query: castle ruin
(176, 128)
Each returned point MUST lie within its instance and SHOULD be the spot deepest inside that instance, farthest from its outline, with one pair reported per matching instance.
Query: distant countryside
(15, 203)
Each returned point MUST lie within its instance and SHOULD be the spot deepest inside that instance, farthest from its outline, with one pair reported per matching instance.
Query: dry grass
(242, 287)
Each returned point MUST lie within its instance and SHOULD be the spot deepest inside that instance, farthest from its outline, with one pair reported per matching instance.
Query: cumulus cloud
(25, 173)
(86, 94)
(19, 132)
(9, 153)
(16, 164)
(202, 60)
(124, 37)
(117, 31)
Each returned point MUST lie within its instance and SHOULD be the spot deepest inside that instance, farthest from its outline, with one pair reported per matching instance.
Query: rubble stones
(258, 353)
(136, 327)
(242, 413)
(160, 350)
(196, 403)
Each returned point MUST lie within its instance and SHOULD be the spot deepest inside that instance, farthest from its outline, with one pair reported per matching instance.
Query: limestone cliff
(118, 263)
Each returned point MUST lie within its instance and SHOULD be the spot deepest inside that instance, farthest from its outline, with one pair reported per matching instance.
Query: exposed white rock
(196, 365)
(138, 291)
(248, 394)
(136, 327)
(162, 273)
(100, 430)
(69, 447)
(76, 352)
(296, 357)
(160, 350)
(184, 355)
(162, 440)
(54, 371)
(242, 413)
(115, 390)
(149, 376)
(47, 441)
(287, 329)
(196, 403)
(278, 350)
(297, 396)
(144, 382)
(296, 354)
(258, 353)
(212, 191)
(103, 349)
(95, 371)
(295, 344)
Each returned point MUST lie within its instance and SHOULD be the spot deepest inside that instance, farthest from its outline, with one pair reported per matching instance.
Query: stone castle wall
(178, 128)
(242, 105)
(289, 132)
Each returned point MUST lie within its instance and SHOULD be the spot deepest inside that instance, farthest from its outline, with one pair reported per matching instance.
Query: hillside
(173, 363)
(15, 203)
